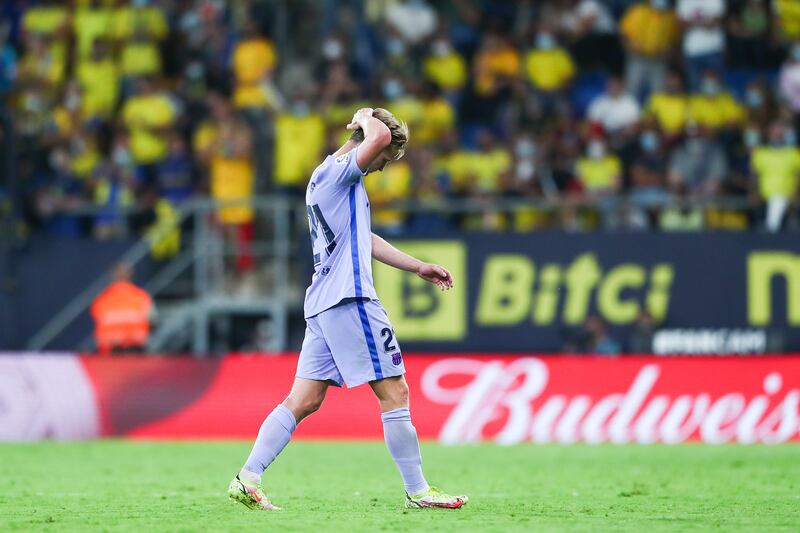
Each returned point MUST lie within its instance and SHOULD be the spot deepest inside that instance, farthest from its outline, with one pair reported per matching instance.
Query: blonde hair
(398, 129)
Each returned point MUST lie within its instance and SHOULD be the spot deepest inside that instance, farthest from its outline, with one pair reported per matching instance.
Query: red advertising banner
(453, 399)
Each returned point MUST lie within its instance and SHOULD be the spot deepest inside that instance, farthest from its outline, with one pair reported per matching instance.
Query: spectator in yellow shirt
(599, 175)
(549, 70)
(299, 141)
(41, 64)
(787, 19)
(714, 108)
(254, 61)
(777, 169)
(598, 172)
(98, 76)
(402, 100)
(670, 108)
(495, 66)
(48, 21)
(140, 28)
(233, 181)
(445, 67)
(386, 188)
(92, 21)
(489, 176)
(548, 66)
(650, 32)
(438, 116)
(148, 115)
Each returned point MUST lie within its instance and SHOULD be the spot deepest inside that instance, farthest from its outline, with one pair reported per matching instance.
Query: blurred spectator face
(614, 87)
(250, 29)
(710, 85)
(486, 140)
(674, 84)
(177, 146)
(218, 107)
(393, 88)
(777, 135)
(596, 149)
(332, 49)
(395, 47)
(99, 50)
(524, 148)
(545, 40)
(751, 137)
(754, 97)
(595, 326)
(300, 106)
(649, 141)
(72, 96)
(441, 48)
(144, 86)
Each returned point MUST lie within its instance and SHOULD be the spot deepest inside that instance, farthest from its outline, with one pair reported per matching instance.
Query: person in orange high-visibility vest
(122, 314)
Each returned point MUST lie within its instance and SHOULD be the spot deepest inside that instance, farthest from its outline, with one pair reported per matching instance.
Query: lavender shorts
(352, 343)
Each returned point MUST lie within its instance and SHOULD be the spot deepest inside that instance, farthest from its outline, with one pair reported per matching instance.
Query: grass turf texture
(143, 486)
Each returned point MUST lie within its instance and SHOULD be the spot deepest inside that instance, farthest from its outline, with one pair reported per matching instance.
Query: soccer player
(348, 336)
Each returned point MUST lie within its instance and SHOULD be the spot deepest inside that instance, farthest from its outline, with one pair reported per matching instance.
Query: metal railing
(202, 258)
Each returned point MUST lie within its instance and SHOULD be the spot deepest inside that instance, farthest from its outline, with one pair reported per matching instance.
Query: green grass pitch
(347, 486)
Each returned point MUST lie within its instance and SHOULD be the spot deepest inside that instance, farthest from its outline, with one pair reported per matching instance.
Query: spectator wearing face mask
(549, 70)
(548, 66)
(703, 37)
(445, 67)
(759, 103)
(699, 165)
(299, 141)
(649, 31)
(776, 167)
(598, 174)
(670, 108)
(713, 107)
(649, 172)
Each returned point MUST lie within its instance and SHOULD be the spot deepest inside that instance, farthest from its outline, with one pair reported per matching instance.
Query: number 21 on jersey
(317, 221)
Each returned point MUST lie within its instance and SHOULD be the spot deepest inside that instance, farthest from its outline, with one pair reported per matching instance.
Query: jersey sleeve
(345, 168)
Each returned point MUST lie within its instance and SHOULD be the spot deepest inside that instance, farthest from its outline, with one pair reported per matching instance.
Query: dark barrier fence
(39, 279)
(708, 292)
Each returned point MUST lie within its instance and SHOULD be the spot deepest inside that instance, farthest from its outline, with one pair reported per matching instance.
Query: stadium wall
(455, 399)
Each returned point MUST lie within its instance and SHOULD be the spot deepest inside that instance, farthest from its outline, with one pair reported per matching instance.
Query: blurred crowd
(576, 114)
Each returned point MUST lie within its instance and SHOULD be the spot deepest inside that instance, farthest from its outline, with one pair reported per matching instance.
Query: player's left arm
(389, 255)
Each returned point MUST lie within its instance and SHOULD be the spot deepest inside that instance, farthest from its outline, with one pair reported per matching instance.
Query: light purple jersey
(341, 238)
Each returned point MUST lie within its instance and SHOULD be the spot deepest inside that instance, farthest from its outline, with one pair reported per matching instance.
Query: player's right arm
(376, 137)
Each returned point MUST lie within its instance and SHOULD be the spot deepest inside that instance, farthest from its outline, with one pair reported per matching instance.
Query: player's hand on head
(437, 275)
(359, 117)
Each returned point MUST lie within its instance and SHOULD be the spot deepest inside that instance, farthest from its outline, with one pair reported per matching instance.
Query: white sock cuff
(401, 414)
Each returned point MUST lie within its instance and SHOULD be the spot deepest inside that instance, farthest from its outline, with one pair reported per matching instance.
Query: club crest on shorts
(397, 359)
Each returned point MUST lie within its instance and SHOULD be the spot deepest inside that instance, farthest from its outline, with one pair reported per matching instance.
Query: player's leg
(315, 370)
(399, 433)
(305, 397)
(403, 444)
